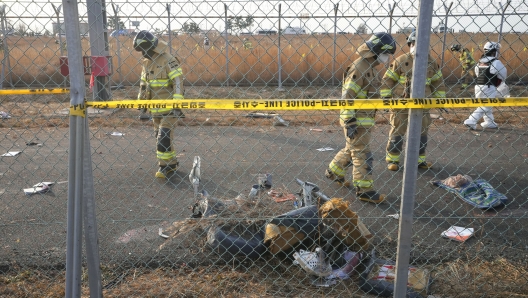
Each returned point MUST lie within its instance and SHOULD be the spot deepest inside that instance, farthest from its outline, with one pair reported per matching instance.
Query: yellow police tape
(282, 104)
(310, 104)
(34, 91)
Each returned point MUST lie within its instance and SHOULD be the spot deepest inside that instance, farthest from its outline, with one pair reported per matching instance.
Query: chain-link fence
(265, 201)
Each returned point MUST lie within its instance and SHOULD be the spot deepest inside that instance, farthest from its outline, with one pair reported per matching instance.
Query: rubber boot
(339, 180)
(371, 196)
(393, 166)
(166, 171)
(425, 165)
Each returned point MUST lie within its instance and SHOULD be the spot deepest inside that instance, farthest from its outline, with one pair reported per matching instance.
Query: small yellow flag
(290, 46)
(311, 46)
(302, 57)
(524, 49)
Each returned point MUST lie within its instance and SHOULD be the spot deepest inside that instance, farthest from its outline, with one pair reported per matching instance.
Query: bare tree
(361, 29)
(21, 29)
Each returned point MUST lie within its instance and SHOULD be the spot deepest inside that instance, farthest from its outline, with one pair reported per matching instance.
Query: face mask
(383, 58)
(412, 50)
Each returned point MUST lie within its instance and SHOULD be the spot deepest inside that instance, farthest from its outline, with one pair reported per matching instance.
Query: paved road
(132, 204)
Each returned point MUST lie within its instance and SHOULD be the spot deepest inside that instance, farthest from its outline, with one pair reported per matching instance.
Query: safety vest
(485, 77)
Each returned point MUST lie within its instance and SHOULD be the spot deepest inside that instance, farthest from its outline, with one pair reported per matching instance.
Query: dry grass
(306, 59)
(498, 278)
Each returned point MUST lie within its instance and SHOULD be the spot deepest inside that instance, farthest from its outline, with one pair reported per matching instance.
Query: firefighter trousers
(468, 75)
(357, 154)
(164, 130)
(399, 120)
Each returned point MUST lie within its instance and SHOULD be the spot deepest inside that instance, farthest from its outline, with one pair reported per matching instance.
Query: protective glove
(351, 130)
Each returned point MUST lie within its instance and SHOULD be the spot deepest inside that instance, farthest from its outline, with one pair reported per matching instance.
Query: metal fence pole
(447, 9)
(279, 52)
(4, 44)
(57, 12)
(226, 48)
(169, 26)
(335, 43)
(502, 18)
(81, 198)
(98, 44)
(410, 173)
(118, 46)
(391, 12)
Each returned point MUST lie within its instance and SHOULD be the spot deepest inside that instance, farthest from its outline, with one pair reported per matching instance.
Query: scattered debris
(160, 232)
(12, 153)
(261, 115)
(4, 115)
(478, 193)
(115, 133)
(316, 129)
(380, 275)
(459, 234)
(195, 176)
(395, 216)
(253, 192)
(278, 121)
(313, 262)
(281, 196)
(325, 149)
(264, 180)
(41, 187)
(33, 144)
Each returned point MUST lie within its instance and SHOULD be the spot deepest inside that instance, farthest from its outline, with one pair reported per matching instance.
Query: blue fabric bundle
(478, 193)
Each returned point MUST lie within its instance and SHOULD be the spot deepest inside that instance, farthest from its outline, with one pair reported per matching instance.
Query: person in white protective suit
(490, 73)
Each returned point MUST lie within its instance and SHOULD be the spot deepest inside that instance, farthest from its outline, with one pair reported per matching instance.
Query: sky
(312, 15)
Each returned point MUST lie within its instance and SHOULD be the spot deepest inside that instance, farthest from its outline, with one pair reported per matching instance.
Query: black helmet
(145, 41)
(411, 38)
(381, 43)
(455, 47)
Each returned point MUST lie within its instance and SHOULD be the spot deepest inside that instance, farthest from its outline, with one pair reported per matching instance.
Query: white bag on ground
(503, 90)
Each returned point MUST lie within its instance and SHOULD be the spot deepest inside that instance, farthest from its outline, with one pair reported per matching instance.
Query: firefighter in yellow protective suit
(161, 78)
(361, 82)
(468, 64)
(396, 83)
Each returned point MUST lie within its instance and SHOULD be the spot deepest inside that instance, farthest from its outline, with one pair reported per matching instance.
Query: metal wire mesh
(234, 234)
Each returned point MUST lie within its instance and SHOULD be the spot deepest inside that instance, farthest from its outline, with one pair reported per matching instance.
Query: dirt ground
(268, 277)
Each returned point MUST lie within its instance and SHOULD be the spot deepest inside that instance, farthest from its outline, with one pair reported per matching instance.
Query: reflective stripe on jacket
(360, 82)
(161, 78)
(397, 79)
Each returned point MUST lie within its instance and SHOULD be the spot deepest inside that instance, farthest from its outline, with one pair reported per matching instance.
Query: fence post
(502, 18)
(98, 45)
(226, 48)
(410, 173)
(81, 196)
(335, 42)
(118, 46)
(447, 9)
(279, 53)
(4, 45)
(391, 12)
(169, 26)
(57, 13)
